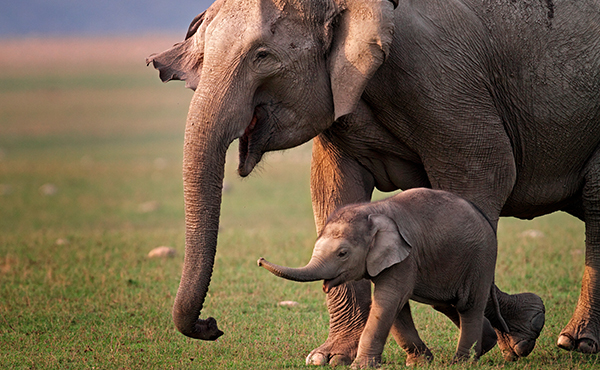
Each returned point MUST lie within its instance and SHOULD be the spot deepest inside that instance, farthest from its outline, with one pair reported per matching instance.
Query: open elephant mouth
(329, 284)
(252, 142)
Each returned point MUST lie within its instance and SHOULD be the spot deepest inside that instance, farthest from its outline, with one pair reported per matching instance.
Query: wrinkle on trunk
(206, 144)
(311, 272)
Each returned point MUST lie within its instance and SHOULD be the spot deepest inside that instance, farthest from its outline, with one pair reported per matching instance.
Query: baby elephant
(426, 245)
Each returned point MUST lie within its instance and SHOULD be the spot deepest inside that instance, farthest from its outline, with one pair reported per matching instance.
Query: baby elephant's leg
(488, 337)
(471, 327)
(388, 296)
(407, 337)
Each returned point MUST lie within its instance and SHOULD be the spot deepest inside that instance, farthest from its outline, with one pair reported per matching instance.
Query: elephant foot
(335, 351)
(582, 344)
(581, 334)
(525, 317)
(416, 359)
(366, 362)
(348, 306)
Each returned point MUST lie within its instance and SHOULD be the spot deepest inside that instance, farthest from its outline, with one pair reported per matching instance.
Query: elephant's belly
(533, 199)
(392, 173)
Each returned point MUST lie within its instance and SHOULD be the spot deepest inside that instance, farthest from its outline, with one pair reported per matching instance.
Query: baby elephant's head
(349, 248)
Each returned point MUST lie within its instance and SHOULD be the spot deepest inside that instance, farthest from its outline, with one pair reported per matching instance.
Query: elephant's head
(273, 74)
(351, 247)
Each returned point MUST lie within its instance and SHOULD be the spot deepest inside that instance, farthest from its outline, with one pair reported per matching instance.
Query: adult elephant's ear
(184, 60)
(361, 42)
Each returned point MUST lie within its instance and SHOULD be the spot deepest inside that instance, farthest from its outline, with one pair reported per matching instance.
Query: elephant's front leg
(335, 181)
(348, 307)
(393, 287)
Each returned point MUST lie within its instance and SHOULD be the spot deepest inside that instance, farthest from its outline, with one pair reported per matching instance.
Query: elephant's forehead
(342, 230)
(259, 13)
(236, 26)
(328, 244)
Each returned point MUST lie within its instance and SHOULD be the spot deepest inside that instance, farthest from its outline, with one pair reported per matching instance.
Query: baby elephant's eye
(342, 253)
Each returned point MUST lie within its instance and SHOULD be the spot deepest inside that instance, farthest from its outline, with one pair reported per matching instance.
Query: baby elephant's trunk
(311, 272)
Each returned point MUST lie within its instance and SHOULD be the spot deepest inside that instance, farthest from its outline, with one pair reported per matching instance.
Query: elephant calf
(427, 245)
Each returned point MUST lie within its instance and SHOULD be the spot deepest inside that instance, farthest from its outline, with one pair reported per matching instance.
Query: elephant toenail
(565, 342)
(340, 360)
(317, 359)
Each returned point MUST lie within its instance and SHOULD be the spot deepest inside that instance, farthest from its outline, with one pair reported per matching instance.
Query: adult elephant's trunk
(206, 143)
(311, 272)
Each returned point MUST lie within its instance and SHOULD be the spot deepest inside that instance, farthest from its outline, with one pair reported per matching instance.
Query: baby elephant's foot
(415, 359)
(459, 358)
(366, 362)
(417, 354)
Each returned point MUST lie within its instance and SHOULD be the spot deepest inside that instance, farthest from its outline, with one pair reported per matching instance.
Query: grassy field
(90, 182)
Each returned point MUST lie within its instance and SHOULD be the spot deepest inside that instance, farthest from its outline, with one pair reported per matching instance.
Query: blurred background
(96, 17)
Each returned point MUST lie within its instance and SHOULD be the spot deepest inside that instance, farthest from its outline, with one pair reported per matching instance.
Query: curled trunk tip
(310, 272)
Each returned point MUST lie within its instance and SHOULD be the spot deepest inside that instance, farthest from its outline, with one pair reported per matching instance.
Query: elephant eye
(265, 61)
(261, 55)
(342, 253)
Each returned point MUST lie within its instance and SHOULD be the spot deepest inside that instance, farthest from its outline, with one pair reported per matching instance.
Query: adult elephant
(497, 101)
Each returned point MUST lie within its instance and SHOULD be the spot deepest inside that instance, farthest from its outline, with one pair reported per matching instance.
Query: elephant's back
(439, 211)
(533, 66)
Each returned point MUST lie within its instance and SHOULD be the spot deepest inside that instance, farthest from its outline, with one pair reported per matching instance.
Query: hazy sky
(96, 17)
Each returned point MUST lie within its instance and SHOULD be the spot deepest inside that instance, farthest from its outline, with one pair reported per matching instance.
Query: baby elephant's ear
(388, 247)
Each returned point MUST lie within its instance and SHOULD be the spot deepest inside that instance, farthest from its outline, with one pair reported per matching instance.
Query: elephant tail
(497, 307)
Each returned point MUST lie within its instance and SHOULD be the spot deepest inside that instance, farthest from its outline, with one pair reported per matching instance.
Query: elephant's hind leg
(407, 337)
(488, 338)
(582, 333)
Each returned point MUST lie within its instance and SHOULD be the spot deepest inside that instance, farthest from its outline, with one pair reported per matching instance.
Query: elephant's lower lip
(329, 284)
(245, 167)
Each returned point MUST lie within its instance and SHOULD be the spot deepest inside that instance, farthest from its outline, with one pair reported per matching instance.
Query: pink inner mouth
(245, 167)
(251, 126)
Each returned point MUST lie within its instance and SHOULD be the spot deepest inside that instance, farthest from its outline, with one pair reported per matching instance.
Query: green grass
(77, 290)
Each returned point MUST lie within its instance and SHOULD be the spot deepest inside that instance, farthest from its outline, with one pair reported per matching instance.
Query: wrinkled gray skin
(497, 101)
(426, 245)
